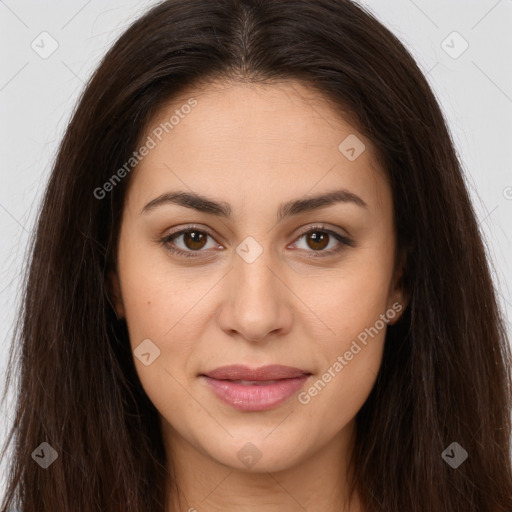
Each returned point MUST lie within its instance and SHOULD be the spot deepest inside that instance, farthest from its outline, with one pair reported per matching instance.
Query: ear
(398, 294)
(114, 291)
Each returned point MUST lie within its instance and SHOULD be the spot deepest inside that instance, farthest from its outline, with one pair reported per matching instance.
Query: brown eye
(317, 240)
(194, 240)
(189, 242)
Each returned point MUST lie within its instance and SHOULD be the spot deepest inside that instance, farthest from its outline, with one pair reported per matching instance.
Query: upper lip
(270, 372)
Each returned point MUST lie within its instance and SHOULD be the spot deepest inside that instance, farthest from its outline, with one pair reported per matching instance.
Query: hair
(445, 375)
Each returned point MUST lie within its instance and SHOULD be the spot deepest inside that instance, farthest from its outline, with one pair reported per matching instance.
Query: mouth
(255, 389)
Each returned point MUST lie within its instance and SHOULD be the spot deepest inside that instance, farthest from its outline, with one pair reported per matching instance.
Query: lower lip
(247, 397)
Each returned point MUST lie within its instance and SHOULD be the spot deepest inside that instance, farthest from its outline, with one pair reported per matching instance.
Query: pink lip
(255, 397)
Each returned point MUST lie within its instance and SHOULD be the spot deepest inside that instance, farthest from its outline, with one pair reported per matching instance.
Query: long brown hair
(446, 371)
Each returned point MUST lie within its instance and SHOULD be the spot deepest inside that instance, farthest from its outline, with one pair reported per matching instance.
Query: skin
(255, 147)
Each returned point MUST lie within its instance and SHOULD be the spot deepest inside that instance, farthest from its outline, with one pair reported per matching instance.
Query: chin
(256, 454)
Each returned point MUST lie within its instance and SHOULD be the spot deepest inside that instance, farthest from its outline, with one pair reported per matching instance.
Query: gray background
(38, 94)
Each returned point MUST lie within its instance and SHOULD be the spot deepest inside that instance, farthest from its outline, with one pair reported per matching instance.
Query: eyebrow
(223, 209)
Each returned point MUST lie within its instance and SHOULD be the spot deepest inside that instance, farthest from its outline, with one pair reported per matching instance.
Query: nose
(257, 301)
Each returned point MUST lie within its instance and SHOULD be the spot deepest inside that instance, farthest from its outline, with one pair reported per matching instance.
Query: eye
(193, 240)
(318, 238)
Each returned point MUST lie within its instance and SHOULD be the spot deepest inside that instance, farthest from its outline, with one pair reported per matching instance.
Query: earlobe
(114, 291)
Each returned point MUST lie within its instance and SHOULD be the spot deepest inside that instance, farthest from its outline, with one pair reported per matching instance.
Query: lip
(225, 384)
(241, 372)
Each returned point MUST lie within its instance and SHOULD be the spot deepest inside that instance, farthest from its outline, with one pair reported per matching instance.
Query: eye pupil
(194, 237)
(318, 237)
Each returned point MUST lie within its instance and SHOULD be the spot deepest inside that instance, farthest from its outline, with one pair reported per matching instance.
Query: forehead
(256, 139)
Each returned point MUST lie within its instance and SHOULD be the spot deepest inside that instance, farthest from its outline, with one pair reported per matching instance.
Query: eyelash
(316, 254)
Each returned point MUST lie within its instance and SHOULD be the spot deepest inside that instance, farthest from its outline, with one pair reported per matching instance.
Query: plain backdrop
(464, 47)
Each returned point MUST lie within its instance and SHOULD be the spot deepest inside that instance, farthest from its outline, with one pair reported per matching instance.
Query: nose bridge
(255, 283)
(256, 304)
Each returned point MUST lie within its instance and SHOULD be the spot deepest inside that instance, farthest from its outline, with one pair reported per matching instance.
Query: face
(260, 273)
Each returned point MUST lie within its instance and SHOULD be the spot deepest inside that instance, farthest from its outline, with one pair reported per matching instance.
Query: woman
(258, 281)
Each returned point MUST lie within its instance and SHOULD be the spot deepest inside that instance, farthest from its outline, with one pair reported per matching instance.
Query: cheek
(158, 309)
(351, 360)
(154, 297)
(353, 307)
(162, 321)
(352, 298)
(166, 312)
